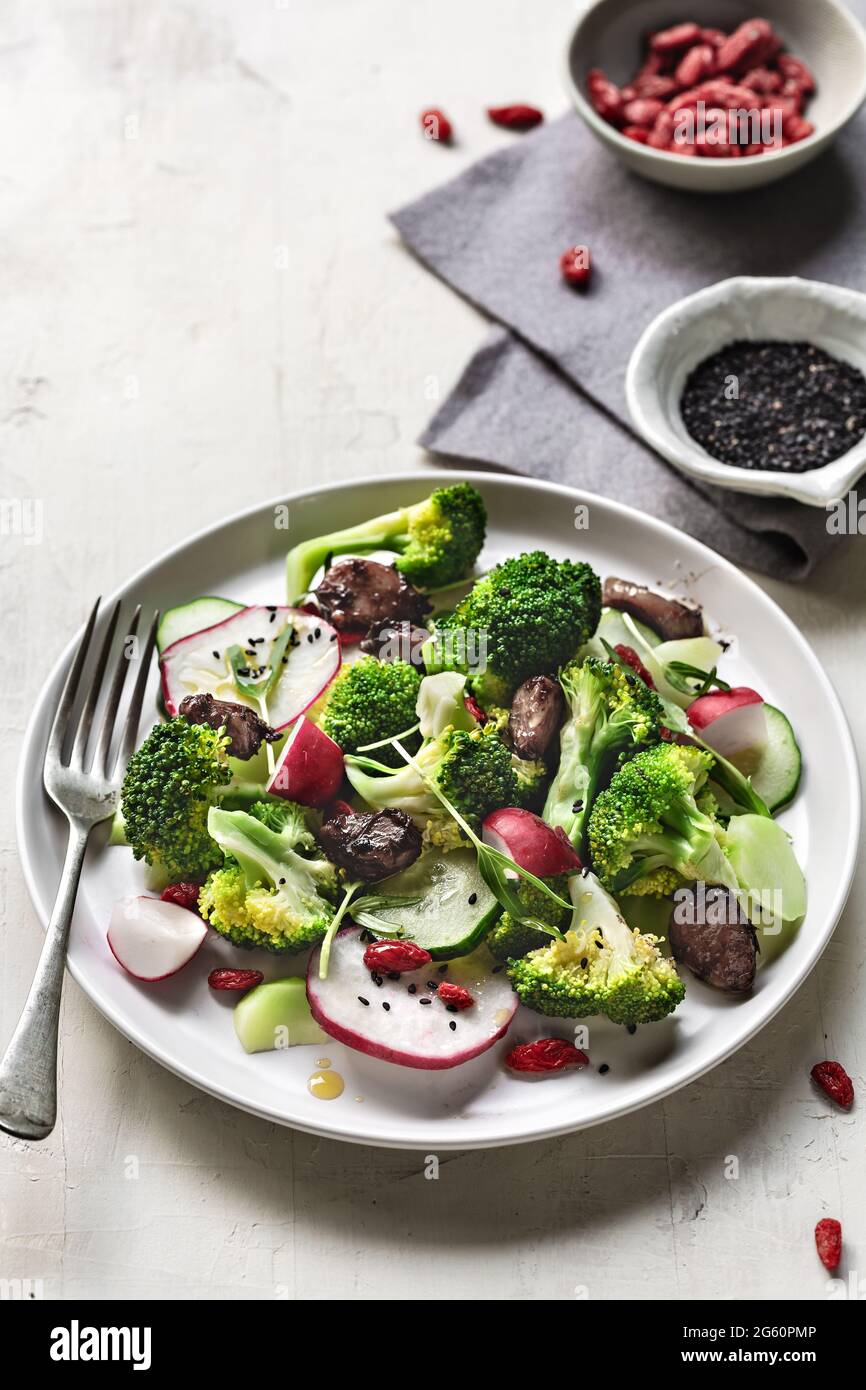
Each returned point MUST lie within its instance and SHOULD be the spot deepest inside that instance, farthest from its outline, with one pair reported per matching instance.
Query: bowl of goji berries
(712, 97)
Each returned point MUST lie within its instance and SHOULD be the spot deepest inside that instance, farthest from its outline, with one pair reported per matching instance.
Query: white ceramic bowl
(609, 35)
(786, 310)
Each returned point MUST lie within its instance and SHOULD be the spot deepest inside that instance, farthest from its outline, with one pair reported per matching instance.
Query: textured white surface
(202, 306)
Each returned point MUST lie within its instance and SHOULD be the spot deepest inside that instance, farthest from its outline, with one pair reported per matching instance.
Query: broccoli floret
(610, 714)
(528, 616)
(648, 820)
(601, 967)
(472, 769)
(371, 700)
(531, 776)
(437, 541)
(170, 785)
(509, 940)
(268, 893)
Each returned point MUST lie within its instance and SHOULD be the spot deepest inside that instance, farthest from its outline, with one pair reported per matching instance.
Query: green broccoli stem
(334, 927)
(493, 865)
(380, 743)
(303, 561)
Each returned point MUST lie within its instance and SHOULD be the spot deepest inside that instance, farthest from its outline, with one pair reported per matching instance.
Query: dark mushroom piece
(719, 944)
(396, 641)
(371, 844)
(246, 730)
(536, 714)
(355, 593)
(671, 618)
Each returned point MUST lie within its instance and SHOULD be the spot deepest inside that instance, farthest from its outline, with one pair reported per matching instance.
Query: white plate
(181, 1024)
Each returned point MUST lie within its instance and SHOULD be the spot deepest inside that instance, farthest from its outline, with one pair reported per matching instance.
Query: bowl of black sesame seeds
(758, 384)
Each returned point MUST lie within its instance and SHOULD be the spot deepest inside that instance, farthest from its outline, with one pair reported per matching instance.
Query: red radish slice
(200, 663)
(730, 721)
(310, 767)
(530, 842)
(409, 1033)
(153, 939)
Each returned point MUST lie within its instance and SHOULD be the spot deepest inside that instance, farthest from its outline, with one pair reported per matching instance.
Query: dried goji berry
(475, 709)
(797, 128)
(605, 96)
(518, 116)
(716, 37)
(184, 894)
(662, 134)
(762, 80)
(828, 1239)
(436, 125)
(748, 46)
(659, 88)
(834, 1081)
(631, 658)
(575, 265)
(234, 979)
(698, 63)
(546, 1054)
(455, 996)
(677, 37)
(642, 111)
(384, 956)
(797, 71)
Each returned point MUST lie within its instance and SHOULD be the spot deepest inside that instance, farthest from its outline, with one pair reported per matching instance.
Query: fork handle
(28, 1072)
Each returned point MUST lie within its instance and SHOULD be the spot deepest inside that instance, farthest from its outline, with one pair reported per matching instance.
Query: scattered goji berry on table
(518, 116)
(184, 894)
(234, 979)
(384, 956)
(575, 265)
(546, 1054)
(455, 996)
(436, 125)
(835, 1082)
(828, 1240)
(475, 709)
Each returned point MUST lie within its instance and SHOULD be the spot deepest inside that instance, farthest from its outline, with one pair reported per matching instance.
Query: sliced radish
(153, 939)
(200, 663)
(530, 842)
(730, 721)
(409, 1033)
(310, 767)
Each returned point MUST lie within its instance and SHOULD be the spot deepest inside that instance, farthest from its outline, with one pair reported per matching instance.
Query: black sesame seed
(603, 1068)
(577, 806)
(442, 969)
(453, 1026)
(282, 881)
(333, 637)
(795, 407)
(377, 979)
(584, 871)
(362, 1000)
(631, 1028)
(273, 615)
(386, 1007)
(431, 984)
(217, 655)
(496, 969)
(270, 608)
(309, 637)
(413, 989)
(425, 1001)
(318, 632)
(584, 963)
(393, 974)
(452, 1008)
(473, 898)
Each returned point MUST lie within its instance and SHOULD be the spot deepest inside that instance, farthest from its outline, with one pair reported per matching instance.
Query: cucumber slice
(442, 919)
(775, 768)
(192, 617)
(275, 1015)
(612, 628)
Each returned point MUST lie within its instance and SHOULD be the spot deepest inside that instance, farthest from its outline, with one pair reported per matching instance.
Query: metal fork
(86, 792)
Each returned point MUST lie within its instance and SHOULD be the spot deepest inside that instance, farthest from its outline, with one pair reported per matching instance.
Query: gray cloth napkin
(545, 394)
